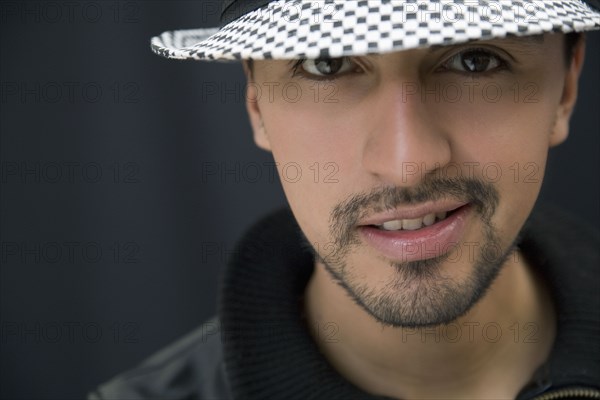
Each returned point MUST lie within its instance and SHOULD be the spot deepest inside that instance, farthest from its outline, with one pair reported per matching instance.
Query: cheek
(307, 170)
(316, 160)
(508, 143)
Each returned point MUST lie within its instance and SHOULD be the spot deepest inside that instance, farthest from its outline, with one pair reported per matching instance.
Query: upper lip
(412, 212)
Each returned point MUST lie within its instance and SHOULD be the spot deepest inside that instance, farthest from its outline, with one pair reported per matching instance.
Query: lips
(405, 235)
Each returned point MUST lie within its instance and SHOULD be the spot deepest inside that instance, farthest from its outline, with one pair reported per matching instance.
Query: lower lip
(428, 242)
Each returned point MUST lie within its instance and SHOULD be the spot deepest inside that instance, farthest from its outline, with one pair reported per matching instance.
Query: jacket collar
(269, 353)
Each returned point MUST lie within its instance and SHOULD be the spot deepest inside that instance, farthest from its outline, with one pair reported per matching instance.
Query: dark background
(113, 226)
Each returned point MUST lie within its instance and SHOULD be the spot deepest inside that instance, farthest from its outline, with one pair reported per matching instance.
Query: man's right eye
(322, 68)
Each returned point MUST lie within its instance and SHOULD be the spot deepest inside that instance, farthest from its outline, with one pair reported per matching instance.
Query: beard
(419, 293)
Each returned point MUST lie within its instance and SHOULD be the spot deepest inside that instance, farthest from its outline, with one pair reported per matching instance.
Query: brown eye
(327, 66)
(475, 61)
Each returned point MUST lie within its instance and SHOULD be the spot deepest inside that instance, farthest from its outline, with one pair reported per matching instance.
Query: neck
(490, 352)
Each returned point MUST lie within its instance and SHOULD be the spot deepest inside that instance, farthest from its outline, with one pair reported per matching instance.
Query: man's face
(451, 141)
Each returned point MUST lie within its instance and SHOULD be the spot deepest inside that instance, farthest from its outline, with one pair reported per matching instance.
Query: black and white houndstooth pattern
(335, 28)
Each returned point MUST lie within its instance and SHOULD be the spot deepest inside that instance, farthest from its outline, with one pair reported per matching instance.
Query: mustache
(482, 195)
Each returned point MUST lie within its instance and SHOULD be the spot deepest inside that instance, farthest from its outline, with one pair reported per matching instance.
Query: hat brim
(335, 28)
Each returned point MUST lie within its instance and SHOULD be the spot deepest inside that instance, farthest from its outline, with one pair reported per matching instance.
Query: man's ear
(560, 132)
(252, 106)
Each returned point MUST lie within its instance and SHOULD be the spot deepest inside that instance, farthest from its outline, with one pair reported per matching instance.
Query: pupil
(328, 66)
(476, 62)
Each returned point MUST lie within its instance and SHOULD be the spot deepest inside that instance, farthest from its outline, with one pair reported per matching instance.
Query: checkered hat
(289, 29)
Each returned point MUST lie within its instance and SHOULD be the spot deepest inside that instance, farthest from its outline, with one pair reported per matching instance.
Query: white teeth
(392, 225)
(429, 219)
(413, 224)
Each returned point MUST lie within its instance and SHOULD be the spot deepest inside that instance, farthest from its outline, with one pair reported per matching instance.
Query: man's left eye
(475, 61)
(325, 67)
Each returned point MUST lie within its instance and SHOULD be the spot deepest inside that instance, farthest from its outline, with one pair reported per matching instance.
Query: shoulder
(190, 368)
(566, 251)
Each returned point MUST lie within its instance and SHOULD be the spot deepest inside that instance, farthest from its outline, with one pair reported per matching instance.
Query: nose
(406, 140)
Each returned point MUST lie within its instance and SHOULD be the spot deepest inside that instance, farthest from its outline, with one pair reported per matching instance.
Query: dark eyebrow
(531, 40)
(527, 41)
